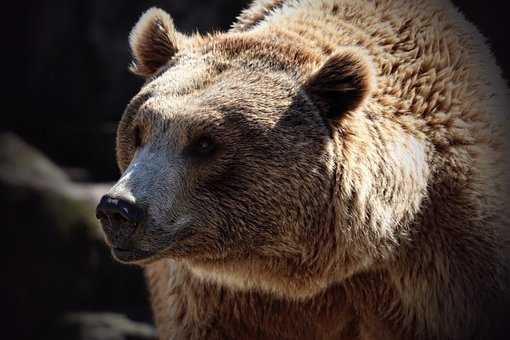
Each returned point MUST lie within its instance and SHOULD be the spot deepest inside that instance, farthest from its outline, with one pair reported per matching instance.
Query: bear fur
(358, 184)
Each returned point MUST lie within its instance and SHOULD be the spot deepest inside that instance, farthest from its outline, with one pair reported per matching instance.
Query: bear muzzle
(121, 219)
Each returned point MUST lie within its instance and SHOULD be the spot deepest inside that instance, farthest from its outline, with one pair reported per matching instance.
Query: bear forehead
(180, 77)
(199, 85)
(196, 71)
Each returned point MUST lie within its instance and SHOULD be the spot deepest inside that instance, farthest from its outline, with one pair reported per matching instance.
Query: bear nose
(118, 216)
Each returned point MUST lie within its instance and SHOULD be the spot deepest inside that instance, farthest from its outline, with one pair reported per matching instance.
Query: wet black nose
(119, 215)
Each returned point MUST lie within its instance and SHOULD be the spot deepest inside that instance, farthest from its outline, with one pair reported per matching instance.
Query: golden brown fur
(359, 191)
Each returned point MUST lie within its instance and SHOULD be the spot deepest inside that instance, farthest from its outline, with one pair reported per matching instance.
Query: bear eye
(137, 136)
(202, 147)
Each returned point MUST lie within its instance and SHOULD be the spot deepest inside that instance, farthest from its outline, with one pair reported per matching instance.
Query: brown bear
(326, 169)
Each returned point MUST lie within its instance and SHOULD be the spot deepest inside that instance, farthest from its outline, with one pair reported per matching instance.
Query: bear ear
(342, 84)
(153, 42)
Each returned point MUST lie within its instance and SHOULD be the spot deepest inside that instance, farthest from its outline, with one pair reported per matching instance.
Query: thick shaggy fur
(359, 191)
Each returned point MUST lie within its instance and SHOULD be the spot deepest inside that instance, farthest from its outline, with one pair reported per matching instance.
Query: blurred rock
(103, 326)
(25, 174)
(56, 259)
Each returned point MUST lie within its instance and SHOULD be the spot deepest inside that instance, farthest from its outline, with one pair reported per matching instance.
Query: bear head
(256, 163)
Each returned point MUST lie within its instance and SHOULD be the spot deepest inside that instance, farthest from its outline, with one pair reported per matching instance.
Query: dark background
(66, 83)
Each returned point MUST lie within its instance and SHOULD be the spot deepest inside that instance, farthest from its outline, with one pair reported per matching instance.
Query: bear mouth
(132, 255)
